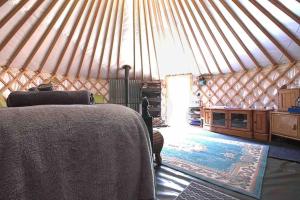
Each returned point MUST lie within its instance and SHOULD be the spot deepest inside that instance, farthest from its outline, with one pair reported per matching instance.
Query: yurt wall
(13, 79)
(257, 88)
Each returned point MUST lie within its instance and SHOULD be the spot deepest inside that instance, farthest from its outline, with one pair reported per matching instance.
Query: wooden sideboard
(247, 123)
(285, 124)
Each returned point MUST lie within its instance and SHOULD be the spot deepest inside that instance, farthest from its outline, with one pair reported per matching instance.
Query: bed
(74, 152)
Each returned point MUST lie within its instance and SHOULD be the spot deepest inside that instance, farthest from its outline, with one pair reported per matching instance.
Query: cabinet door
(284, 124)
(260, 122)
(240, 120)
(207, 116)
(219, 118)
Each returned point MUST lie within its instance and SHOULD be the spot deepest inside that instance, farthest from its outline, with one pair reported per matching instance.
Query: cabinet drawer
(284, 124)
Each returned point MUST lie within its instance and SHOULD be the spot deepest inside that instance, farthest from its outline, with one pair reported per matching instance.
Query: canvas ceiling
(94, 38)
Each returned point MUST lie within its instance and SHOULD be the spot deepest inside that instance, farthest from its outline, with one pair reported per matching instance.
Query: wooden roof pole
(223, 35)
(96, 41)
(246, 29)
(185, 33)
(175, 23)
(69, 38)
(2, 2)
(157, 7)
(104, 40)
(264, 30)
(284, 9)
(133, 16)
(87, 40)
(19, 24)
(120, 38)
(71, 59)
(112, 40)
(153, 38)
(147, 38)
(29, 34)
(45, 34)
(140, 40)
(193, 33)
(212, 36)
(275, 21)
(11, 13)
(167, 19)
(235, 34)
(157, 24)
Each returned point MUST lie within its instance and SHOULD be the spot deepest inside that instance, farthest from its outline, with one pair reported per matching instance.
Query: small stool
(158, 143)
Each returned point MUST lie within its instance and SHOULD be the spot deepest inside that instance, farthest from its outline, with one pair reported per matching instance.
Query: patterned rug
(226, 161)
(196, 191)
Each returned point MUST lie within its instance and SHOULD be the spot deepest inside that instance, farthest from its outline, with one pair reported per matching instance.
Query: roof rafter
(71, 59)
(167, 19)
(2, 2)
(246, 29)
(239, 39)
(7, 17)
(134, 50)
(104, 40)
(120, 38)
(29, 34)
(69, 38)
(275, 21)
(45, 34)
(223, 35)
(19, 24)
(87, 40)
(284, 9)
(263, 29)
(140, 40)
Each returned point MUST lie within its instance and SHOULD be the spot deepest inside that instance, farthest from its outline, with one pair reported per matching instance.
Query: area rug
(233, 164)
(196, 191)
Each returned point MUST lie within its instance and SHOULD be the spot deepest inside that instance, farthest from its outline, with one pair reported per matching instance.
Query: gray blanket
(74, 153)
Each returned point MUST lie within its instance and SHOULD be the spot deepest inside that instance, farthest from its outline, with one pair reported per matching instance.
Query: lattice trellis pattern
(14, 79)
(256, 88)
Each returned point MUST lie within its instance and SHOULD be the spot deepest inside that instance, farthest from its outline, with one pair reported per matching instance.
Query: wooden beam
(87, 40)
(239, 39)
(284, 9)
(19, 24)
(153, 38)
(275, 21)
(175, 23)
(69, 38)
(104, 39)
(29, 34)
(223, 36)
(120, 38)
(11, 13)
(140, 40)
(185, 33)
(57, 35)
(2, 2)
(264, 30)
(167, 19)
(157, 7)
(193, 33)
(79, 38)
(212, 36)
(112, 40)
(246, 29)
(147, 38)
(96, 41)
(134, 51)
(157, 24)
(45, 34)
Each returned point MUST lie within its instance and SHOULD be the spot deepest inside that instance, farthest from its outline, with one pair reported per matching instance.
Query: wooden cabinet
(236, 122)
(287, 98)
(261, 124)
(285, 124)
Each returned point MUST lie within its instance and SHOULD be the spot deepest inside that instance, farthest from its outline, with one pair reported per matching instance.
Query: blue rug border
(257, 192)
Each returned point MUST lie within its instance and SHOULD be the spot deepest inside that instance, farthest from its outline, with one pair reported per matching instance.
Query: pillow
(99, 98)
(2, 101)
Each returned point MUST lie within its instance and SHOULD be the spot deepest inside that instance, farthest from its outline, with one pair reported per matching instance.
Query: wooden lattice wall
(254, 88)
(14, 79)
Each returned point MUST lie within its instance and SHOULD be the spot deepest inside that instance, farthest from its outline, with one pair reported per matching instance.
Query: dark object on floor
(196, 191)
(158, 143)
(20, 99)
(147, 118)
